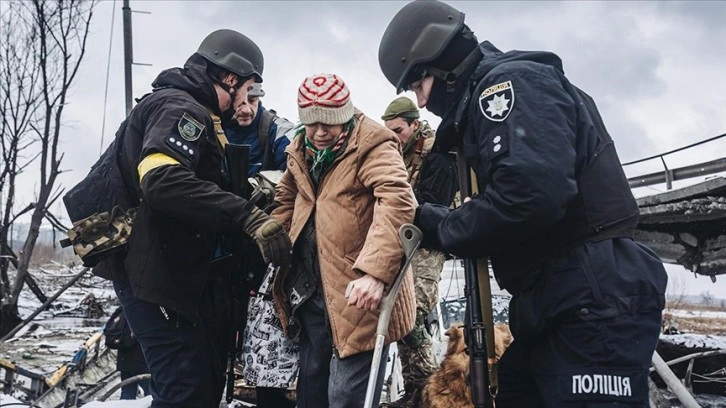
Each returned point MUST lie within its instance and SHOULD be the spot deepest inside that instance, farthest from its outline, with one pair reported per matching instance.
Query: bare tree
(19, 103)
(55, 32)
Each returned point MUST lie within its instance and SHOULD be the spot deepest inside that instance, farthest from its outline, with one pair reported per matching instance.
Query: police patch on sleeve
(496, 102)
(189, 128)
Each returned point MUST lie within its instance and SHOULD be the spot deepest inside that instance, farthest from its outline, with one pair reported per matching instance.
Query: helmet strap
(231, 90)
(227, 88)
(450, 77)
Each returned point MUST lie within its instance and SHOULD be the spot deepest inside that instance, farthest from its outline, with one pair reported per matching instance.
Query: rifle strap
(218, 129)
(268, 116)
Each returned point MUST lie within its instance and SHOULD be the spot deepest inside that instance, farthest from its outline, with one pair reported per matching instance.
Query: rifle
(479, 338)
(238, 161)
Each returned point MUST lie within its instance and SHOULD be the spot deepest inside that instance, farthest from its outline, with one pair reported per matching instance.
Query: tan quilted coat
(361, 202)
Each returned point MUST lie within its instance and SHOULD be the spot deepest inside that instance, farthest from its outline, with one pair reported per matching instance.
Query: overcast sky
(657, 70)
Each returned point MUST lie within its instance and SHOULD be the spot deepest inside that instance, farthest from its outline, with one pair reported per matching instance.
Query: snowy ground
(697, 340)
(51, 340)
(6, 400)
(56, 334)
(706, 314)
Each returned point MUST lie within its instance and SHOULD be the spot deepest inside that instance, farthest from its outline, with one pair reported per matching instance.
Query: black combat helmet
(234, 52)
(418, 33)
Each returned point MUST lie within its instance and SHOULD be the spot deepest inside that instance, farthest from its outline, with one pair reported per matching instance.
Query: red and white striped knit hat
(324, 98)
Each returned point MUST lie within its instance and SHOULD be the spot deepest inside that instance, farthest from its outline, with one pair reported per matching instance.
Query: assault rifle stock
(475, 325)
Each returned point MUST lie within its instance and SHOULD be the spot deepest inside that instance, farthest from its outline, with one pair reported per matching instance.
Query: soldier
(170, 162)
(555, 214)
(432, 176)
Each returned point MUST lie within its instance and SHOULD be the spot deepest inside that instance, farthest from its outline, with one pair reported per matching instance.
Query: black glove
(428, 217)
(270, 236)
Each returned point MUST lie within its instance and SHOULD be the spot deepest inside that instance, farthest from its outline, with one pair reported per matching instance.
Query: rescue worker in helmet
(555, 214)
(171, 163)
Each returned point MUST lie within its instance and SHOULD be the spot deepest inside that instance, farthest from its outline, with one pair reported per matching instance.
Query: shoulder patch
(496, 102)
(189, 128)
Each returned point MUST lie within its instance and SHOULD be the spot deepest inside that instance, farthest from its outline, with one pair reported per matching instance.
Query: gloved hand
(270, 236)
(428, 217)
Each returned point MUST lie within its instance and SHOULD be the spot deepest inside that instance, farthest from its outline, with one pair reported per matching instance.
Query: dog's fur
(448, 386)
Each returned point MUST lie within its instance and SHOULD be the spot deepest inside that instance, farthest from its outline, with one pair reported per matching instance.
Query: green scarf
(319, 161)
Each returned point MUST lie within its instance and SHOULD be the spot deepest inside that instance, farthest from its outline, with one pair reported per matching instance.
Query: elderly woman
(342, 198)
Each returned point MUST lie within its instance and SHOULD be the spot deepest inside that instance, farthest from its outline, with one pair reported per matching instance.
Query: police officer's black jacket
(549, 177)
(183, 206)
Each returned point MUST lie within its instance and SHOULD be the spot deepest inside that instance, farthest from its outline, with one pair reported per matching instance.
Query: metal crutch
(410, 237)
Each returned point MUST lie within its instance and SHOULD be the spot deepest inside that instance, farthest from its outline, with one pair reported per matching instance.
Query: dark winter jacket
(549, 177)
(169, 139)
(271, 156)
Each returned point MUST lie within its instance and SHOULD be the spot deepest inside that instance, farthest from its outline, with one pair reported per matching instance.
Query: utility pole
(128, 55)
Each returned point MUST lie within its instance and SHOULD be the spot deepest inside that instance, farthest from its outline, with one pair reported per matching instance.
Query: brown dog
(448, 387)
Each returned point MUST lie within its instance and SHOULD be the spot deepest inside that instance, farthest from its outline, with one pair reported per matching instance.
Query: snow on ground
(704, 401)
(696, 340)
(706, 314)
(141, 403)
(53, 337)
(6, 400)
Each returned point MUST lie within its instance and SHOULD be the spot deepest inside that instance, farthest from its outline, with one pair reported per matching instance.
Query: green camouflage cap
(401, 107)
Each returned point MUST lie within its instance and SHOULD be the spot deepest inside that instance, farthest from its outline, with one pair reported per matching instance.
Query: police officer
(432, 176)
(171, 162)
(554, 214)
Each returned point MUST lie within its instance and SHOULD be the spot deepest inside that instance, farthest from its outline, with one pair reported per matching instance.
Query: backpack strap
(218, 129)
(268, 116)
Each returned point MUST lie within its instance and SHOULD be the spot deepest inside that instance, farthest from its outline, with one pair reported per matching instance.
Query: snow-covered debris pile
(709, 373)
(701, 342)
(6, 400)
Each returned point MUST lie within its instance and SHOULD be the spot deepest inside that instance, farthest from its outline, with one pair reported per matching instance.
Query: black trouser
(268, 397)
(187, 362)
(585, 333)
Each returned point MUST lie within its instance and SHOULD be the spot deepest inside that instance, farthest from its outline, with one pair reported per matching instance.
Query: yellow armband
(153, 161)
